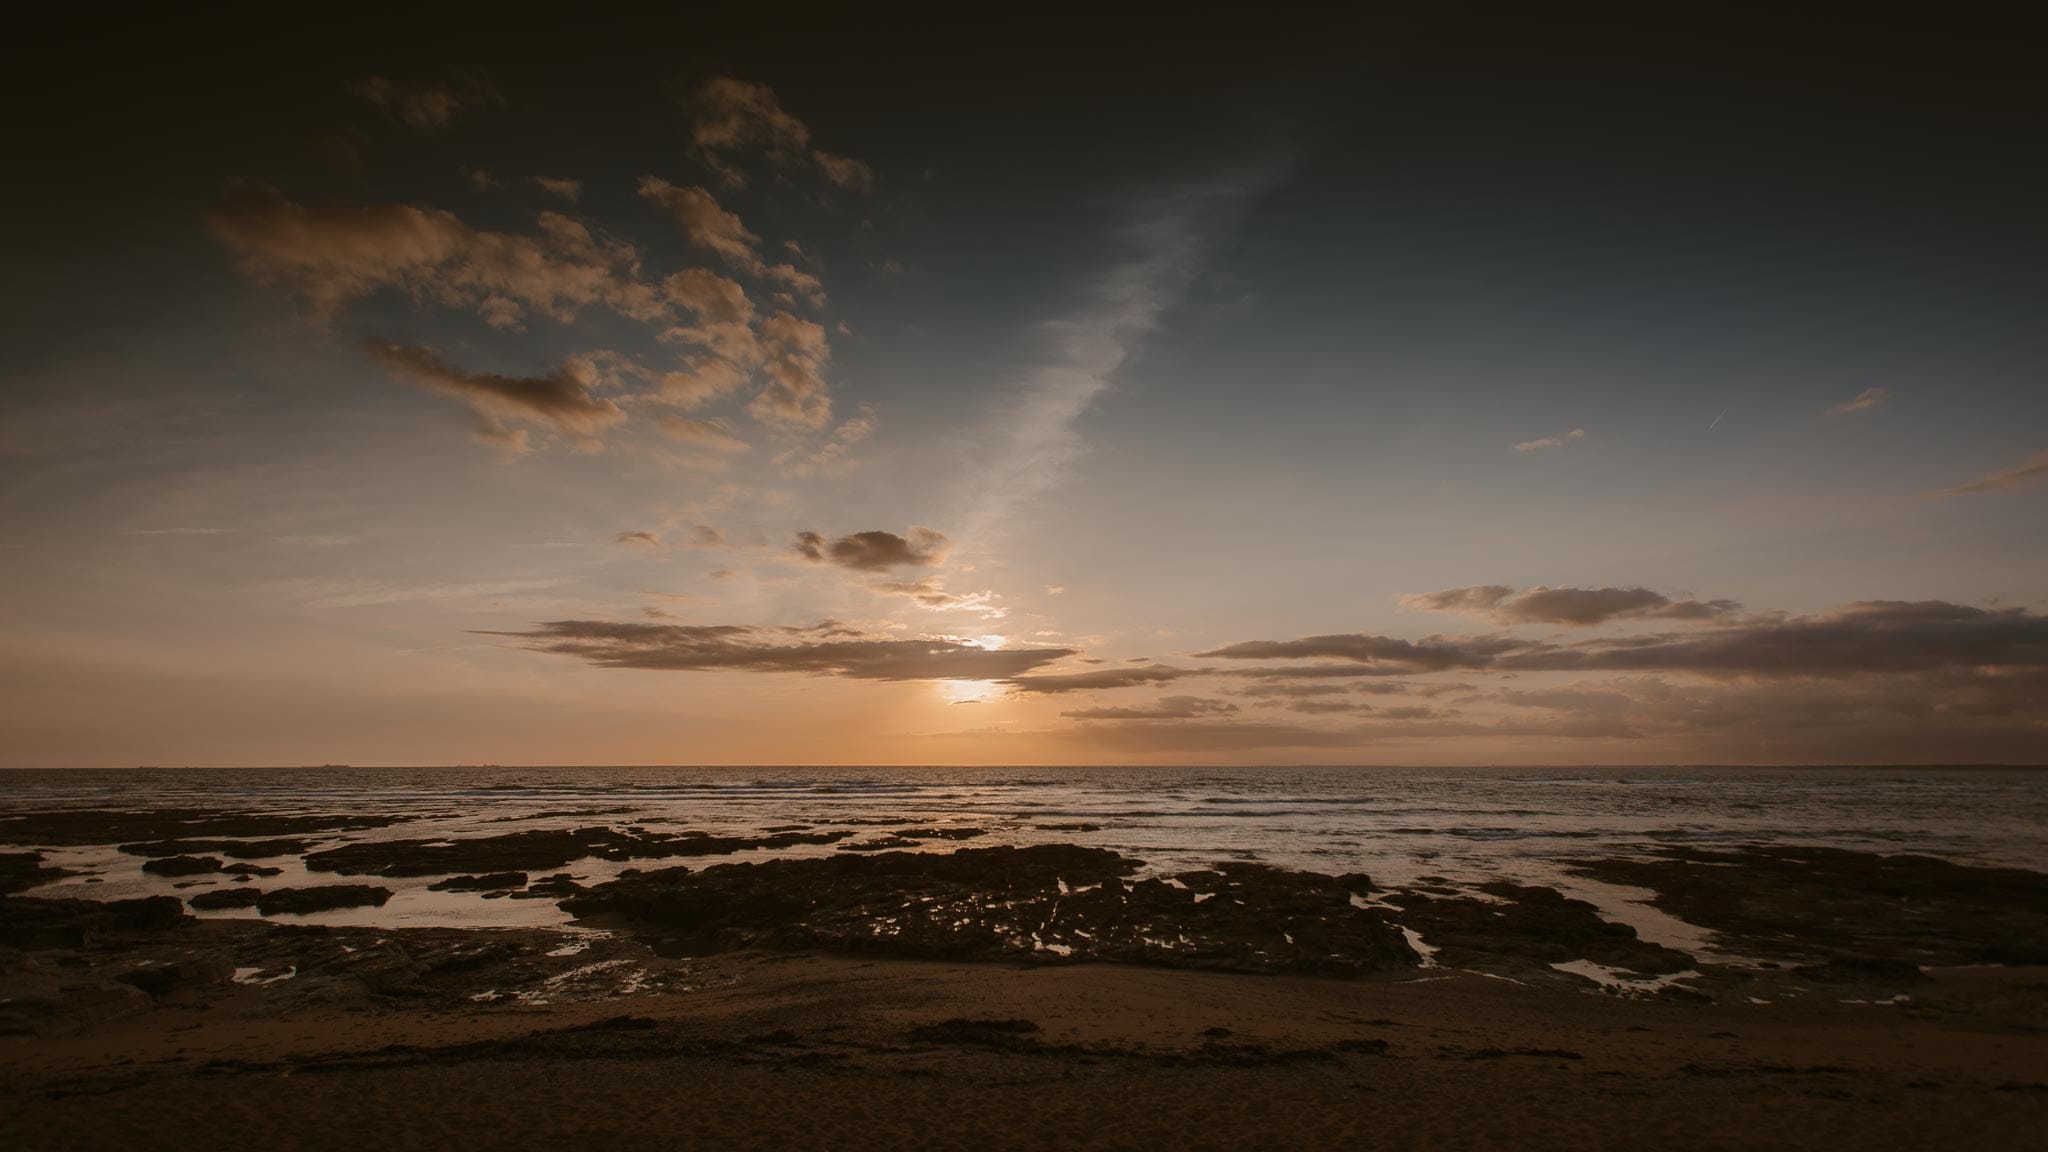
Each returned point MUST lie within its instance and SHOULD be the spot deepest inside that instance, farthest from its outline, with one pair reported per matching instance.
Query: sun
(969, 691)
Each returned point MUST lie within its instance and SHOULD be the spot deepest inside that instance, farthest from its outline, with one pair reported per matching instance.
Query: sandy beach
(768, 1050)
(1036, 997)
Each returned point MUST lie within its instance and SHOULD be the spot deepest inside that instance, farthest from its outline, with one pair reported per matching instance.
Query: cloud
(718, 304)
(2032, 468)
(876, 551)
(1881, 636)
(1376, 655)
(1166, 708)
(570, 190)
(791, 352)
(638, 539)
(699, 381)
(560, 400)
(427, 107)
(1099, 680)
(1865, 400)
(1083, 351)
(796, 282)
(1863, 638)
(1551, 441)
(1579, 607)
(825, 649)
(706, 225)
(1320, 707)
(702, 434)
(1300, 672)
(1204, 738)
(845, 171)
(367, 593)
(1294, 691)
(833, 456)
(1955, 714)
(796, 394)
(333, 254)
(730, 116)
(930, 593)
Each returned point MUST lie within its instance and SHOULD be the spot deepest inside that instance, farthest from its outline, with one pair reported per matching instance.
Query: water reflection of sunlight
(968, 691)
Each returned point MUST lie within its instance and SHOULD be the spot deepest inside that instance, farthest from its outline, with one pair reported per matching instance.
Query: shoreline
(1006, 996)
(757, 1049)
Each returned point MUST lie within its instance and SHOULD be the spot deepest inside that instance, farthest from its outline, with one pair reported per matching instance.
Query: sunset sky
(705, 391)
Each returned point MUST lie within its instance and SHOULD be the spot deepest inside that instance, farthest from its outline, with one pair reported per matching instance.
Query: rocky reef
(232, 849)
(539, 849)
(1522, 929)
(1830, 906)
(23, 870)
(1048, 903)
(321, 898)
(69, 826)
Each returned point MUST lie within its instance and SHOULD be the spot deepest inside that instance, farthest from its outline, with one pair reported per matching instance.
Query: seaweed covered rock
(1832, 904)
(20, 871)
(321, 898)
(232, 849)
(1524, 928)
(224, 898)
(539, 849)
(115, 826)
(26, 922)
(1050, 902)
(182, 865)
(489, 882)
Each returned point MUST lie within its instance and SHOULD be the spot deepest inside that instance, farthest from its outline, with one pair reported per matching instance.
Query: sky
(791, 388)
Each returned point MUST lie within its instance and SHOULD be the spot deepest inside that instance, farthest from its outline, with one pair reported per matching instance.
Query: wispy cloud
(1168, 240)
(1551, 441)
(1577, 607)
(1166, 708)
(1865, 400)
(428, 107)
(2034, 467)
(570, 190)
(824, 649)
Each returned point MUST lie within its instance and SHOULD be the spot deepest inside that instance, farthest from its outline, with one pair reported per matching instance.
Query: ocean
(1449, 826)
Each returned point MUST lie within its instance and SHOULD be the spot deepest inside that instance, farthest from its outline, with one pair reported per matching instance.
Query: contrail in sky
(1168, 240)
(1717, 420)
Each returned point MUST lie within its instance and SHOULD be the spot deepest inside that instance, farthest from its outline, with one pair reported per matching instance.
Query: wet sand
(773, 1050)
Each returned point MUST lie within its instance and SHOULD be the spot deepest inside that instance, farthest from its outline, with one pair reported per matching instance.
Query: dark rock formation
(299, 901)
(1526, 928)
(26, 922)
(182, 865)
(232, 849)
(555, 887)
(225, 898)
(539, 849)
(112, 826)
(1829, 905)
(1049, 903)
(20, 871)
(490, 882)
(162, 977)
